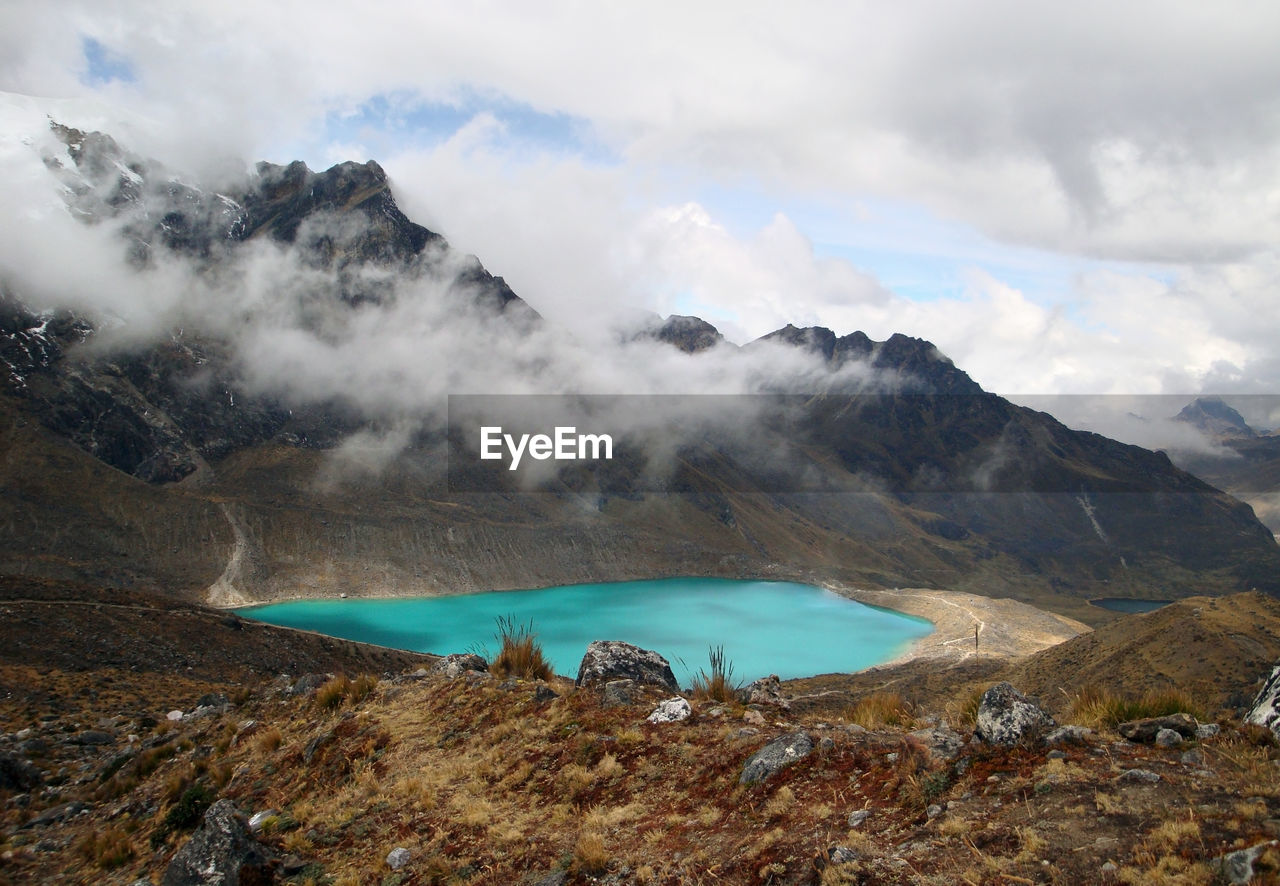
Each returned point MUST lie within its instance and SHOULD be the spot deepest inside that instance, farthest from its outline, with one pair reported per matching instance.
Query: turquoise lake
(765, 627)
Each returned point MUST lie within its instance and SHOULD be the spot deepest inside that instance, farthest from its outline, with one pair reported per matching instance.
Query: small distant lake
(1129, 605)
(765, 627)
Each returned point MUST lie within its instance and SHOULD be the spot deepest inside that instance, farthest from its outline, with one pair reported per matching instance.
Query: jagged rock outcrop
(458, 663)
(607, 660)
(1265, 710)
(222, 852)
(765, 691)
(1007, 717)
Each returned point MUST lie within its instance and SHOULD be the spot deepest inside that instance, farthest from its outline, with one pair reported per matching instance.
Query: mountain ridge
(962, 473)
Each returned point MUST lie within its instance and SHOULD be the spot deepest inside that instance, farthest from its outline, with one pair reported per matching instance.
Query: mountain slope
(276, 428)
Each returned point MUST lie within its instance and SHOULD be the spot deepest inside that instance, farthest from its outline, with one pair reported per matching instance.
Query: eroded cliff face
(163, 458)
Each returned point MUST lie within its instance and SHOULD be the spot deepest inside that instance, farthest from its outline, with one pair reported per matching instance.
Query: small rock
(765, 691)
(1142, 776)
(309, 683)
(942, 742)
(836, 855)
(826, 744)
(672, 710)
(314, 745)
(92, 737)
(618, 694)
(459, 663)
(259, 818)
(1069, 735)
(1168, 738)
(1144, 731)
(1056, 754)
(1207, 730)
(1109, 868)
(776, 755)
(213, 700)
(398, 858)
(858, 816)
(1237, 867)
(933, 811)
(1007, 717)
(1193, 757)
(173, 716)
(755, 718)
(544, 693)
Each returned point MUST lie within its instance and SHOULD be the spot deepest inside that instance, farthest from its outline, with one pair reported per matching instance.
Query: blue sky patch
(104, 65)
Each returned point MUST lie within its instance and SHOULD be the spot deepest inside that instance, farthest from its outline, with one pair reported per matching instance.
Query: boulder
(775, 756)
(607, 660)
(1236, 867)
(221, 852)
(1168, 738)
(1007, 717)
(459, 663)
(942, 742)
(1265, 710)
(1145, 731)
(672, 710)
(765, 691)
(17, 774)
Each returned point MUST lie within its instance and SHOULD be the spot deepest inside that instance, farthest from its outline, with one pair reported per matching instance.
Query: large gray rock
(775, 756)
(1007, 717)
(1236, 867)
(607, 660)
(1265, 710)
(221, 852)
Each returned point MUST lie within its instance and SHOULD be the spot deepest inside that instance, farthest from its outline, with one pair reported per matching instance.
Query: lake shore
(1006, 629)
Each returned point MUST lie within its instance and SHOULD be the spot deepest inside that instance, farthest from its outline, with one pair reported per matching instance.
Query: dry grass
(341, 689)
(269, 740)
(717, 685)
(1101, 708)
(589, 854)
(519, 654)
(107, 849)
(881, 709)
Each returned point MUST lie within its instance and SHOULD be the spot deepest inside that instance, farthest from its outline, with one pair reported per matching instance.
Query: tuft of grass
(107, 849)
(589, 854)
(880, 709)
(333, 693)
(269, 740)
(342, 689)
(717, 685)
(520, 654)
(190, 808)
(1101, 708)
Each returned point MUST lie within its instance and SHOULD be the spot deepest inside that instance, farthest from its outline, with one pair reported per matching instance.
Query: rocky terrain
(459, 771)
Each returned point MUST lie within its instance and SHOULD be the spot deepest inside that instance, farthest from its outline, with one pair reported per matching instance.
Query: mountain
(1214, 417)
(1246, 462)
(277, 426)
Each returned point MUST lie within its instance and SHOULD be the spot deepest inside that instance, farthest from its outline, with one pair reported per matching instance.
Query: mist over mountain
(240, 390)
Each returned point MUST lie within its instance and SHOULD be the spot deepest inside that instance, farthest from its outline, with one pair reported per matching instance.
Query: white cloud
(1141, 133)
